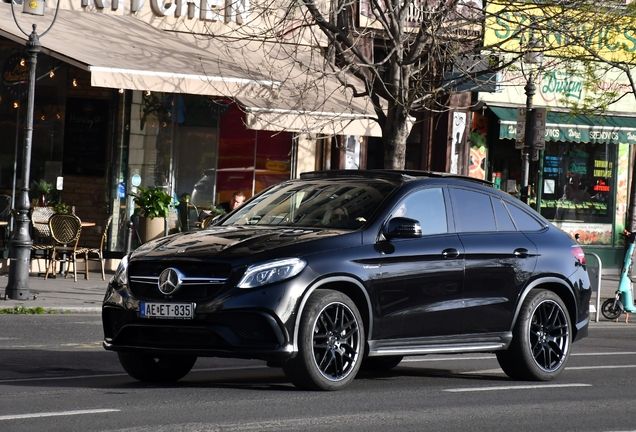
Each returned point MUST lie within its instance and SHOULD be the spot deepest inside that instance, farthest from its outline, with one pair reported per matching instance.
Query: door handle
(521, 253)
(450, 253)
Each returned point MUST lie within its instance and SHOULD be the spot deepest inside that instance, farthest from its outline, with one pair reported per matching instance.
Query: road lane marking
(600, 367)
(488, 357)
(605, 353)
(56, 414)
(500, 371)
(519, 387)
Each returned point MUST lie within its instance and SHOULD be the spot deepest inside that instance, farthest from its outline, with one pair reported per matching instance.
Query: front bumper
(240, 323)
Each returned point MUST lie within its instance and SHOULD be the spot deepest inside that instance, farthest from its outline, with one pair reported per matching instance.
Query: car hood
(234, 242)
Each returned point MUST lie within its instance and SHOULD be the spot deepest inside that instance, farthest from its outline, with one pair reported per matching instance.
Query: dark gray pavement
(85, 296)
(60, 294)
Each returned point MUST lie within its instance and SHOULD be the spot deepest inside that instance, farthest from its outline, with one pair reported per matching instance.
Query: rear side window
(504, 223)
(523, 220)
(472, 211)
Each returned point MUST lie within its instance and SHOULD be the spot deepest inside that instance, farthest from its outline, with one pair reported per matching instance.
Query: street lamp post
(534, 57)
(20, 243)
(528, 144)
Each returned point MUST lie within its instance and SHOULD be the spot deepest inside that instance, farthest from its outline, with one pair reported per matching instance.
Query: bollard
(130, 226)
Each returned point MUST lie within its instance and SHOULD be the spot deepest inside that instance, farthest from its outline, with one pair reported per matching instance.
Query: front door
(420, 290)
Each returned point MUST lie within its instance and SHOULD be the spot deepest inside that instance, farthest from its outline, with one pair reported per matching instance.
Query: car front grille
(199, 280)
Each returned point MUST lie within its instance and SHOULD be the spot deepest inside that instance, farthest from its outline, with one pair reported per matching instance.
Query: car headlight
(120, 277)
(270, 272)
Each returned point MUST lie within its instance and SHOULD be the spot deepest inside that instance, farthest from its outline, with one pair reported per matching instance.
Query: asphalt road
(54, 376)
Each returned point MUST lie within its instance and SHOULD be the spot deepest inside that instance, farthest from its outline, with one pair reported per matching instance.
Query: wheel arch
(352, 288)
(561, 289)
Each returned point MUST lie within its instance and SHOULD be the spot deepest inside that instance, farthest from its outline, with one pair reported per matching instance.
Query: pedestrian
(238, 198)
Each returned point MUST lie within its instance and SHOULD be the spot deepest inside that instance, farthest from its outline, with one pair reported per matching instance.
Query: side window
(504, 223)
(472, 211)
(523, 220)
(428, 207)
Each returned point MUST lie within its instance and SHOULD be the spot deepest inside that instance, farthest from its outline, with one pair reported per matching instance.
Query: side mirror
(401, 227)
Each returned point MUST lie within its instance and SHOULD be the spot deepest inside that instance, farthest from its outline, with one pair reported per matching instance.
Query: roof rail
(369, 174)
(388, 174)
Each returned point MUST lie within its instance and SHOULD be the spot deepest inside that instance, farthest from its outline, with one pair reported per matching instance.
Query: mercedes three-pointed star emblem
(169, 281)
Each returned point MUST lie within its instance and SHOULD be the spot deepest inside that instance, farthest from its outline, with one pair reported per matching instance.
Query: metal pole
(21, 242)
(540, 182)
(528, 139)
(129, 233)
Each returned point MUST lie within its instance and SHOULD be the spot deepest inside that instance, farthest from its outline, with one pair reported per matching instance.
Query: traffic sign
(539, 128)
(521, 128)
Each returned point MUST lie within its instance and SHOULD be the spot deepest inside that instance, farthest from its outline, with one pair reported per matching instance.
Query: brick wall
(88, 195)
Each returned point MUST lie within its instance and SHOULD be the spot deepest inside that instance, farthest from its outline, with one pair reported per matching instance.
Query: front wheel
(163, 368)
(541, 339)
(330, 343)
(611, 308)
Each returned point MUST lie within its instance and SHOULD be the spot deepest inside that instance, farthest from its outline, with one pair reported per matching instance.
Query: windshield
(327, 204)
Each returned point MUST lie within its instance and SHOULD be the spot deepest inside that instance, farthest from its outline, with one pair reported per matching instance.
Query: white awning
(278, 93)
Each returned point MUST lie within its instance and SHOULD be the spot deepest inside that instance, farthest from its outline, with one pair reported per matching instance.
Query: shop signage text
(206, 10)
(567, 86)
(15, 75)
(507, 29)
(576, 134)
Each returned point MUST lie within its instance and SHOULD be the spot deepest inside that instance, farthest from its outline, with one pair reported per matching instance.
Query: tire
(164, 368)
(330, 343)
(541, 339)
(610, 311)
(381, 364)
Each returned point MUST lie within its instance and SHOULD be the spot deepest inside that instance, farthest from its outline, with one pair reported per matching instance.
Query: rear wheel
(541, 339)
(164, 368)
(611, 309)
(330, 343)
(379, 364)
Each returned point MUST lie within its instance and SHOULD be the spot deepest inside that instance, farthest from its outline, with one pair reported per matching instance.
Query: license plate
(167, 310)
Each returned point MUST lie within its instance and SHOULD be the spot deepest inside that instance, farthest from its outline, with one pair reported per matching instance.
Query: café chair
(41, 234)
(65, 231)
(207, 221)
(5, 218)
(97, 254)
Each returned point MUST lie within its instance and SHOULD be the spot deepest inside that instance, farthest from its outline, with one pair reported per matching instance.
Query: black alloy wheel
(330, 343)
(164, 368)
(540, 346)
(381, 364)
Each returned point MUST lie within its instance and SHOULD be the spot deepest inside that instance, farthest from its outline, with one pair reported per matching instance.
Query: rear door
(499, 260)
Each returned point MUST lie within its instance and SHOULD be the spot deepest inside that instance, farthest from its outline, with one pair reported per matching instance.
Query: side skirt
(440, 345)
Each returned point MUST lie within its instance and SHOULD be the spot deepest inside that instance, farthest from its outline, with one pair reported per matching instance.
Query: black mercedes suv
(339, 270)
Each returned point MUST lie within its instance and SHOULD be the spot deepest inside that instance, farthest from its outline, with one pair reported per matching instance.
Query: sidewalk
(59, 294)
(85, 296)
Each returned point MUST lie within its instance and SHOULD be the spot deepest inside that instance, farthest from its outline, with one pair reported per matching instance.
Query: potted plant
(152, 206)
(61, 208)
(44, 188)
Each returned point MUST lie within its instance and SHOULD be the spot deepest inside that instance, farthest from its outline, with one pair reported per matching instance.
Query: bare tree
(397, 58)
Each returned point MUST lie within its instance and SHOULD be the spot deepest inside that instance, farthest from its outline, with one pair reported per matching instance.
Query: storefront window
(198, 146)
(48, 117)
(579, 189)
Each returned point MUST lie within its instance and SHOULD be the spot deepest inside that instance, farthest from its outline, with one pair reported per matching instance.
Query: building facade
(144, 94)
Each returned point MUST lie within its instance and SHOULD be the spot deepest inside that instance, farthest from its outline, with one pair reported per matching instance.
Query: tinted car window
(426, 206)
(346, 204)
(523, 220)
(472, 211)
(504, 223)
